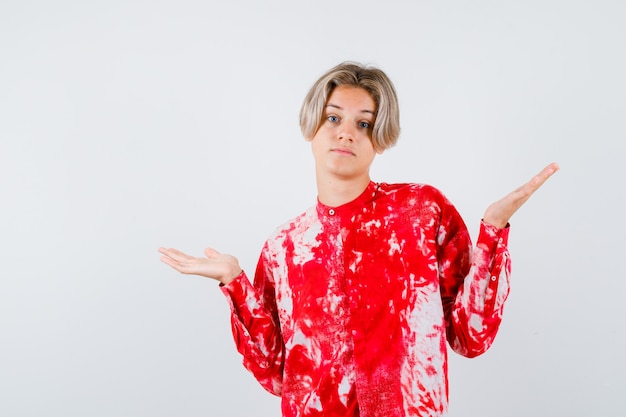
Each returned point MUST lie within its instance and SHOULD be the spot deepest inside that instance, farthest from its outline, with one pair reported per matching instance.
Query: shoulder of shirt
(289, 225)
(424, 191)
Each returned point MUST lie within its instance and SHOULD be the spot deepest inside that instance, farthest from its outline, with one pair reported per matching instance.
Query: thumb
(211, 253)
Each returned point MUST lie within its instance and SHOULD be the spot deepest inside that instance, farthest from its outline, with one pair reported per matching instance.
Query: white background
(129, 125)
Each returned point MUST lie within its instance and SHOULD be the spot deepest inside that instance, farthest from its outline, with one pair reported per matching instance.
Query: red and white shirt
(351, 306)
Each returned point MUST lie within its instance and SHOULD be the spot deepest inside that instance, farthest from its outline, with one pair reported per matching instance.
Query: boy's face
(342, 147)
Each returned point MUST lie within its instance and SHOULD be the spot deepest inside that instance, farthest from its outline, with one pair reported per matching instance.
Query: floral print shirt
(351, 306)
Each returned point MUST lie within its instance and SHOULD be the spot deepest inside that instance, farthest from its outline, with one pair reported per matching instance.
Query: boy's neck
(336, 192)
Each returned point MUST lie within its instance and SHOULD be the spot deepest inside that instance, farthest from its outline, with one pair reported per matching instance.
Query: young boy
(353, 301)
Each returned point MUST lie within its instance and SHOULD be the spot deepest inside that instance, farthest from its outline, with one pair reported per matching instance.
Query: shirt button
(493, 278)
(331, 212)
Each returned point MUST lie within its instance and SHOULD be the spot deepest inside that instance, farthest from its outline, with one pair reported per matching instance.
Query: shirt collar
(348, 209)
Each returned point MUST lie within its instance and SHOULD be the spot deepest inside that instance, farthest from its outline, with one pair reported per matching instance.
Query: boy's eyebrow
(340, 108)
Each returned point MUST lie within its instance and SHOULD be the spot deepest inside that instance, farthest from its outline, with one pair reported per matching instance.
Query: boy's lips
(345, 151)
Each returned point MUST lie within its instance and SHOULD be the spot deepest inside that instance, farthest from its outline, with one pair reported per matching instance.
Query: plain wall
(129, 125)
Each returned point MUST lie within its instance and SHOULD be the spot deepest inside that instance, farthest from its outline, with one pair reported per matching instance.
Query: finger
(171, 262)
(174, 254)
(551, 168)
(176, 259)
(520, 195)
(211, 253)
(543, 175)
(187, 265)
(524, 192)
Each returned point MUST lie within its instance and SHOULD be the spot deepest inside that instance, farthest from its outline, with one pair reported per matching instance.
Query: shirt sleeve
(256, 328)
(474, 282)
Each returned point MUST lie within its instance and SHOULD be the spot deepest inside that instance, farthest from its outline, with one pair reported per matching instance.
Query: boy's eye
(364, 125)
(333, 119)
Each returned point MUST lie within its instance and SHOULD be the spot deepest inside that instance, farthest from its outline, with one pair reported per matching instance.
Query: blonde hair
(373, 80)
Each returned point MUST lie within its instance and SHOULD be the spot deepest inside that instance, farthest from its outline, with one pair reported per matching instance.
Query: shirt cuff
(237, 292)
(491, 236)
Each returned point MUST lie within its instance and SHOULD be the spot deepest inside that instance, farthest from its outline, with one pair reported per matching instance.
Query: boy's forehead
(351, 95)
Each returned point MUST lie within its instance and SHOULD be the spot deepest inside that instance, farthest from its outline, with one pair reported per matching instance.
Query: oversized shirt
(351, 306)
